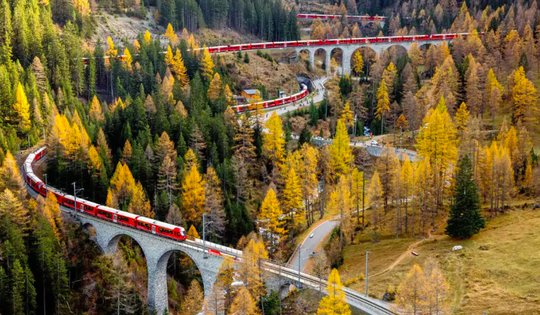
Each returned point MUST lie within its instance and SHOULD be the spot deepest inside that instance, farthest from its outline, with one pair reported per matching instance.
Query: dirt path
(403, 255)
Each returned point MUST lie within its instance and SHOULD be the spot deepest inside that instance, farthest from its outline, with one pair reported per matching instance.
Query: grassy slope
(503, 278)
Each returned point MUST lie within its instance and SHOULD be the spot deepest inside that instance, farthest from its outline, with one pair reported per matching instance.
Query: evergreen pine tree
(465, 218)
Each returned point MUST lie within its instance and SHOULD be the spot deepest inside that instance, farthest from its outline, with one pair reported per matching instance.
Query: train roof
(146, 220)
(168, 225)
(127, 214)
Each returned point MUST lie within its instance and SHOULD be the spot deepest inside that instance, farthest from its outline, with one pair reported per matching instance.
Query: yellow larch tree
(307, 170)
(127, 194)
(406, 187)
(179, 69)
(274, 139)
(524, 100)
(51, 211)
(244, 303)
(334, 303)
(127, 59)
(250, 271)
(193, 197)
(207, 65)
(192, 232)
(437, 143)
(412, 290)
(347, 114)
(374, 197)
(190, 159)
(462, 117)
(340, 152)
(389, 77)
(229, 97)
(270, 217)
(358, 63)
(10, 177)
(383, 103)
(192, 302)
(293, 205)
(81, 6)
(96, 111)
(147, 38)
(112, 52)
(494, 93)
(169, 56)
(136, 45)
(171, 35)
(358, 193)
(12, 207)
(340, 203)
(215, 88)
(22, 109)
(127, 151)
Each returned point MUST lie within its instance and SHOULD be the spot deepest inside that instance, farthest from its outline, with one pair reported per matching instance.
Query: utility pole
(299, 262)
(367, 272)
(363, 196)
(204, 235)
(75, 191)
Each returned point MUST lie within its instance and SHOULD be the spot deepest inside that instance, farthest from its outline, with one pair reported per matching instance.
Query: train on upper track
(275, 102)
(116, 216)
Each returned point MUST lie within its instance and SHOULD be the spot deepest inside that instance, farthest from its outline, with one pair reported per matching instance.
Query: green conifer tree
(465, 218)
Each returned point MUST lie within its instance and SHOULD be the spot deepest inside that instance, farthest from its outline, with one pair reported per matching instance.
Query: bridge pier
(157, 251)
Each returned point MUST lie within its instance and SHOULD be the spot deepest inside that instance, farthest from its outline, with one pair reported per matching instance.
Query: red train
(96, 210)
(273, 103)
(314, 16)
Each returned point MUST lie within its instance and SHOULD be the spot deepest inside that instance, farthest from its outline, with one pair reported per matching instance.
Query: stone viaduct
(347, 51)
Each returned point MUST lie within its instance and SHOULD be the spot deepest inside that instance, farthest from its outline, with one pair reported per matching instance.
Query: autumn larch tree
(465, 219)
(215, 88)
(244, 304)
(334, 303)
(293, 205)
(192, 301)
(524, 99)
(193, 196)
(215, 209)
(270, 218)
(22, 108)
(179, 69)
(274, 139)
(437, 143)
(411, 291)
(207, 65)
(374, 197)
(358, 63)
(340, 151)
(171, 35)
(383, 103)
(250, 271)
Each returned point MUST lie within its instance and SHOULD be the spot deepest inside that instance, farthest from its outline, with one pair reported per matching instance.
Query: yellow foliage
(340, 151)
(244, 304)
(22, 108)
(383, 103)
(347, 114)
(193, 196)
(273, 139)
(128, 59)
(81, 6)
(179, 69)
(192, 232)
(112, 52)
(270, 215)
(10, 177)
(334, 303)
(524, 99)
(147, 37)
(171, 35)
(207, 65)
(358, 62)
(96, 111)
(293, 205)
(214, 89)
(462, 117)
